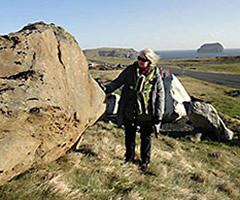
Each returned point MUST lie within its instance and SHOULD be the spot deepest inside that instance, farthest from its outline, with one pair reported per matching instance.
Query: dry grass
(179, 169)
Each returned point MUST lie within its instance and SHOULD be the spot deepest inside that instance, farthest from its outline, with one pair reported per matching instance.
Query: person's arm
(116, 83)
(160, 100)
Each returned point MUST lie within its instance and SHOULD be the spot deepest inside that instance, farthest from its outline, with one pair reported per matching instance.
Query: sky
(156, 24)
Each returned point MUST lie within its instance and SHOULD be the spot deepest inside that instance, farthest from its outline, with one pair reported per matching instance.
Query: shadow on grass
(234, 142)
(23, 174)
(86, 151)
(194, 137)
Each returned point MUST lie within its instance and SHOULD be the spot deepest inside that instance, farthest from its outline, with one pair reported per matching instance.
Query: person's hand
(101, 85)
(157, 125)
(157, 121)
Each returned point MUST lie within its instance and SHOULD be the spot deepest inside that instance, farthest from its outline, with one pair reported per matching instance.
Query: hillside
(180, 168)
(111, 52)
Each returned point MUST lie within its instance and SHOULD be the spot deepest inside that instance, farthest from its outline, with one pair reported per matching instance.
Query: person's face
(143, 62)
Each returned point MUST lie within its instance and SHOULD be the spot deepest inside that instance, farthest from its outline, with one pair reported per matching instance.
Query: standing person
(141, 103)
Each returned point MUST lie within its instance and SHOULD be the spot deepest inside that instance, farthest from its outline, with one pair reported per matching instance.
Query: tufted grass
(180, 169)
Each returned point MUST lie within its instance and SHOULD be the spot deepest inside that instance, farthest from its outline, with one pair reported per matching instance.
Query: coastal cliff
(111, 52)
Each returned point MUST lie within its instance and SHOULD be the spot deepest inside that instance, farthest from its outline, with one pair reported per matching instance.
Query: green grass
(233, 68)
(218, 96)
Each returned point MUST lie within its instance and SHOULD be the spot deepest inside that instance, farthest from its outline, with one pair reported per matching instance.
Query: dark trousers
(130, 142)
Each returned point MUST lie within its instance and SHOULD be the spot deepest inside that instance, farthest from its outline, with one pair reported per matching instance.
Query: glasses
(142, 59)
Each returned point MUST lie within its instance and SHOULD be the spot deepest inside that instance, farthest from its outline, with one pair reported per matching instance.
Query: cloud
(212, 36)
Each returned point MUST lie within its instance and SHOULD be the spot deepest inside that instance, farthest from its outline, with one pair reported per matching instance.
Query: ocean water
(166, 55)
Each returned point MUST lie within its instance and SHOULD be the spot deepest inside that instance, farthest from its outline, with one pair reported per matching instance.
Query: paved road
(222, 79)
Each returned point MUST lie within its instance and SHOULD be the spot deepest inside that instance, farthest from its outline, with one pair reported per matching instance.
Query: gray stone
(205, 116)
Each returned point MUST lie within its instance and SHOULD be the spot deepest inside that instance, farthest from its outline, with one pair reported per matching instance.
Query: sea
(179, 54)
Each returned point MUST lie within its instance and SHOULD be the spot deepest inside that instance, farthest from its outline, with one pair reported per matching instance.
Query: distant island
(211, 48)
(111, 52)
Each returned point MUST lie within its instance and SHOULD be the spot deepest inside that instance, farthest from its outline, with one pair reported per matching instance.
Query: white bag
(175, 96)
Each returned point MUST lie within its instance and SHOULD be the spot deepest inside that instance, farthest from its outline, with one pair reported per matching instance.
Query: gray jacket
(128, 79)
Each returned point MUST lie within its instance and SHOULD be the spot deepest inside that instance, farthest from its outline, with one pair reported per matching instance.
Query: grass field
(180, 169)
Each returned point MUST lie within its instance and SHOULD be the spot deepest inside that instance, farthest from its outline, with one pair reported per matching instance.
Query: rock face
(47, 97)
(211, 48)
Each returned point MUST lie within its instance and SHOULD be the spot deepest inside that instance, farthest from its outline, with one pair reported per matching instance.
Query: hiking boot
(144, 167)
(128, 162)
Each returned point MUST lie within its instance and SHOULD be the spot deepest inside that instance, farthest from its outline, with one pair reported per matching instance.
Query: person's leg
(130, 136)
(146, 140)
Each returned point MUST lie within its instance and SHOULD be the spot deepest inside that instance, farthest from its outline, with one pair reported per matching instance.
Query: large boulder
(204, 116)
(47, 97)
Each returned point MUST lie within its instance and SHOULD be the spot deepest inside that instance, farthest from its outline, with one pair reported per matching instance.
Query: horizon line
(92, 48)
